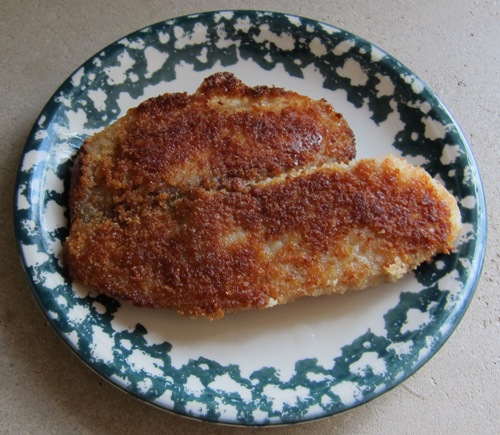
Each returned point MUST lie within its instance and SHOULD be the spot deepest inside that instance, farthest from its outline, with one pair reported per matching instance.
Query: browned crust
(228, 130)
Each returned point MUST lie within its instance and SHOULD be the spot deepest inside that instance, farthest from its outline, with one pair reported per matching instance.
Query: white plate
(304, 361)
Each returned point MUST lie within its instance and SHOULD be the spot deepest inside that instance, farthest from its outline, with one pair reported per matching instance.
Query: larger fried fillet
(311, 232)
(222, 136)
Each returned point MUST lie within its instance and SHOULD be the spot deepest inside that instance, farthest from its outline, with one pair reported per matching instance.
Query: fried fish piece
(310, 232)
(222, 136)
(237, 197)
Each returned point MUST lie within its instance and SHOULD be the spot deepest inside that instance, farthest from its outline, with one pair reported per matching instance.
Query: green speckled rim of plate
(299, 362)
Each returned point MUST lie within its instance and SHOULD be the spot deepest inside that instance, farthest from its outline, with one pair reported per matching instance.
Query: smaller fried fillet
(307, 233)
(222, 136)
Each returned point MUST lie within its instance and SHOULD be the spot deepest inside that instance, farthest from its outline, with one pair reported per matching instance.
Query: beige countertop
(452, 46)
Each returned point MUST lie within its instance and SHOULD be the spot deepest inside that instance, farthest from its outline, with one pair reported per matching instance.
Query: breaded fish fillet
(222, 136)
(231, 199)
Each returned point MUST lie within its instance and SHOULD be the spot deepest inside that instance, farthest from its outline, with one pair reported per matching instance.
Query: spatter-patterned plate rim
(300, 362)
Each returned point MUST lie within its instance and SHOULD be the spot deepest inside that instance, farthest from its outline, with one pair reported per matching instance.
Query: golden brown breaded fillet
(237, 197)
(222, 136)
(310, 232)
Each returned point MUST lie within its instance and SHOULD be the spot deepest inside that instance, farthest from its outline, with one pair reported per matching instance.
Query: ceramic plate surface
(303, 361)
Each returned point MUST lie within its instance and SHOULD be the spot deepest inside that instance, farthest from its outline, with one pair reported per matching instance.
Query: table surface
(452, 46)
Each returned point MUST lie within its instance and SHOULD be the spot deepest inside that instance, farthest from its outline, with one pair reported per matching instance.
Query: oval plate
(307, 360)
